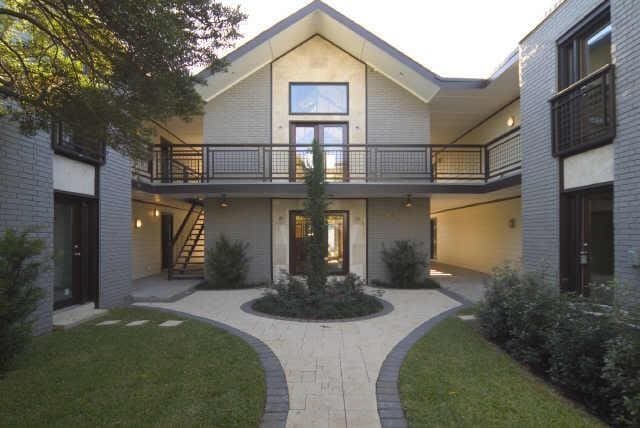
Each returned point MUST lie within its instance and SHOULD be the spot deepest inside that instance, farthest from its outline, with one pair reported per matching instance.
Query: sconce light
(224, 203)
(138, 223)
(511, 121)
(156, 213)
(512, 223)
(407, 202)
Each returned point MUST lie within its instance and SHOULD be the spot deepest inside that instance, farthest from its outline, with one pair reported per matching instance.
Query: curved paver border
(387, 392)
(276, 406)
(387, 308)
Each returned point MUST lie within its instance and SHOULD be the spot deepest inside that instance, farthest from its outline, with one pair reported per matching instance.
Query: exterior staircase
(189, 263)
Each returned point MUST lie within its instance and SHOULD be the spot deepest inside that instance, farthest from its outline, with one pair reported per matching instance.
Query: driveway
(331, 368)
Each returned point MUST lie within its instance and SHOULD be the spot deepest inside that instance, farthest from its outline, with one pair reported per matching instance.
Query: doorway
(75, 250)
(337, 232)
(333, 138)
(166, 239)
(586, 244)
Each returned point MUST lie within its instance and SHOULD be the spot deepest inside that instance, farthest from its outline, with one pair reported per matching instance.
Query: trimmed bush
(227, 265)
(405, 263)
(589, 348)
(20, 266)
(621, 375)
(341, 298)
(518, 312)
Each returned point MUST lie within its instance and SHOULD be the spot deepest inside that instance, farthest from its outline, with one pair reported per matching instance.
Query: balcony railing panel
(583, 114)
(356, 163)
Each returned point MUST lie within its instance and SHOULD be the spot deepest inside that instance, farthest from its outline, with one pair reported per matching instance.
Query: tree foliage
(315, 206)
(106, 68)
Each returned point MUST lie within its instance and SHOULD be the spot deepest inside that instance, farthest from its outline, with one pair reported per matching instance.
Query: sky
(453, 38)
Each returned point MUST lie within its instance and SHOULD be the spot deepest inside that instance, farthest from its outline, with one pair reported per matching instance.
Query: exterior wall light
(156, 213)
(138, 223)
(224, 203)
(407, 202)
(511, 121)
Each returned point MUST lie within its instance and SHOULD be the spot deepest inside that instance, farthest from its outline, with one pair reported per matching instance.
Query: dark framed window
(585, 49)
(583, 110)
(76, 146)
(318, 98)
(337, 237)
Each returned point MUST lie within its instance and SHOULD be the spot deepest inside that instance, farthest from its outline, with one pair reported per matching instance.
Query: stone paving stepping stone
(467, 317)
(170, 323)
(109, 322)
(137, 323)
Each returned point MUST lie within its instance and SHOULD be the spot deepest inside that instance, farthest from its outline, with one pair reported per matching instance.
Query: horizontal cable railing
(375, 163)
(583, 113)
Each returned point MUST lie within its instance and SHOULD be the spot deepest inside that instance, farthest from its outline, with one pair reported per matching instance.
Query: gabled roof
(319, 18)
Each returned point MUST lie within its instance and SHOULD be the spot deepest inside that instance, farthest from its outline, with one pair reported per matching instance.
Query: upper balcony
(583, 114)
(212, 168)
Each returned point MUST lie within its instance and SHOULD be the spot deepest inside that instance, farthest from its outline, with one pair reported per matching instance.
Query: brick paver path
(331, 368)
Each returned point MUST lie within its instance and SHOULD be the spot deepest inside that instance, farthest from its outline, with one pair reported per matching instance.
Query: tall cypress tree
(315, 207)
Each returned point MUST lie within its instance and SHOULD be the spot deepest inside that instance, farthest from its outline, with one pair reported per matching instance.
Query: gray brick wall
(115, 231)
(26, 199)
(625, 19)
(394, 115)
(248, 220)
(387, 221)
(242, 114)
(540, 171)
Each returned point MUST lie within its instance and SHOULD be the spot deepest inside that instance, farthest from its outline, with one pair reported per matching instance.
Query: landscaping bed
(453, 377)
(189, 375)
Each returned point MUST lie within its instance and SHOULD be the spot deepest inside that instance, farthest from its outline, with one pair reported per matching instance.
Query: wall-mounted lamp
(224, 203)
(511, 121)
(138, 223)
(407, 202)
(156, 213)
(512, 223)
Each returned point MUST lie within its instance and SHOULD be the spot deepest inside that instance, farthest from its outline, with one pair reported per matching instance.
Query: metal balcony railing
(359, 163)
(583, 114)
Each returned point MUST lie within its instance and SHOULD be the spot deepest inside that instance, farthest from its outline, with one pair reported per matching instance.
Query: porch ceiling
(443, 201)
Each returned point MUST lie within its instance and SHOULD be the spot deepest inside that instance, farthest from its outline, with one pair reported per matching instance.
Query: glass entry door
(74, 238)
(331, 135)
(586, 239)
(337, 232)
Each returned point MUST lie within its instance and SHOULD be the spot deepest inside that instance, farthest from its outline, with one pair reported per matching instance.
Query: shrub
(519, 312)
(20, 266)
(405, 263)
(621, 374)
(577, 346)
(227, 265)
(341, 298)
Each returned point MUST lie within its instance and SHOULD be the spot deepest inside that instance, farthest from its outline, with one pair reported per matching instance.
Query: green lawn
(453, 377)
(190, 375)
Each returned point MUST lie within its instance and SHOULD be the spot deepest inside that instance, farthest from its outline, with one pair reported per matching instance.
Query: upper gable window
(319, 98)
(586, 48)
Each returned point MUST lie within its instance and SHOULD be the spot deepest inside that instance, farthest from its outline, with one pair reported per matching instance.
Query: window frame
(70, 150)
(292, 84)
(571, 64)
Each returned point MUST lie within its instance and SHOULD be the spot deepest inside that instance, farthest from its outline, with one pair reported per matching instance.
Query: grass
(190, 375)
(453, 377)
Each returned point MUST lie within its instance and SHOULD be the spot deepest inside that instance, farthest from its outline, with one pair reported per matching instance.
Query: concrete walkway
(331, 368)
(464, 282)
(158, 288)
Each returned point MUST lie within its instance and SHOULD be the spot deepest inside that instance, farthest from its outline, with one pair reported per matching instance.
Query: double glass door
(75, 255)
(336, 237)
(586, 239)
(333, 138)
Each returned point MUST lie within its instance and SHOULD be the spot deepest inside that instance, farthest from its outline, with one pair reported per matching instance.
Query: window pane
(598, 49)
(335, 243)
(312, 98)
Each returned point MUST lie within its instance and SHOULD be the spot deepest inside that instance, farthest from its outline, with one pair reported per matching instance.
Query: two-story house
(537, 164)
